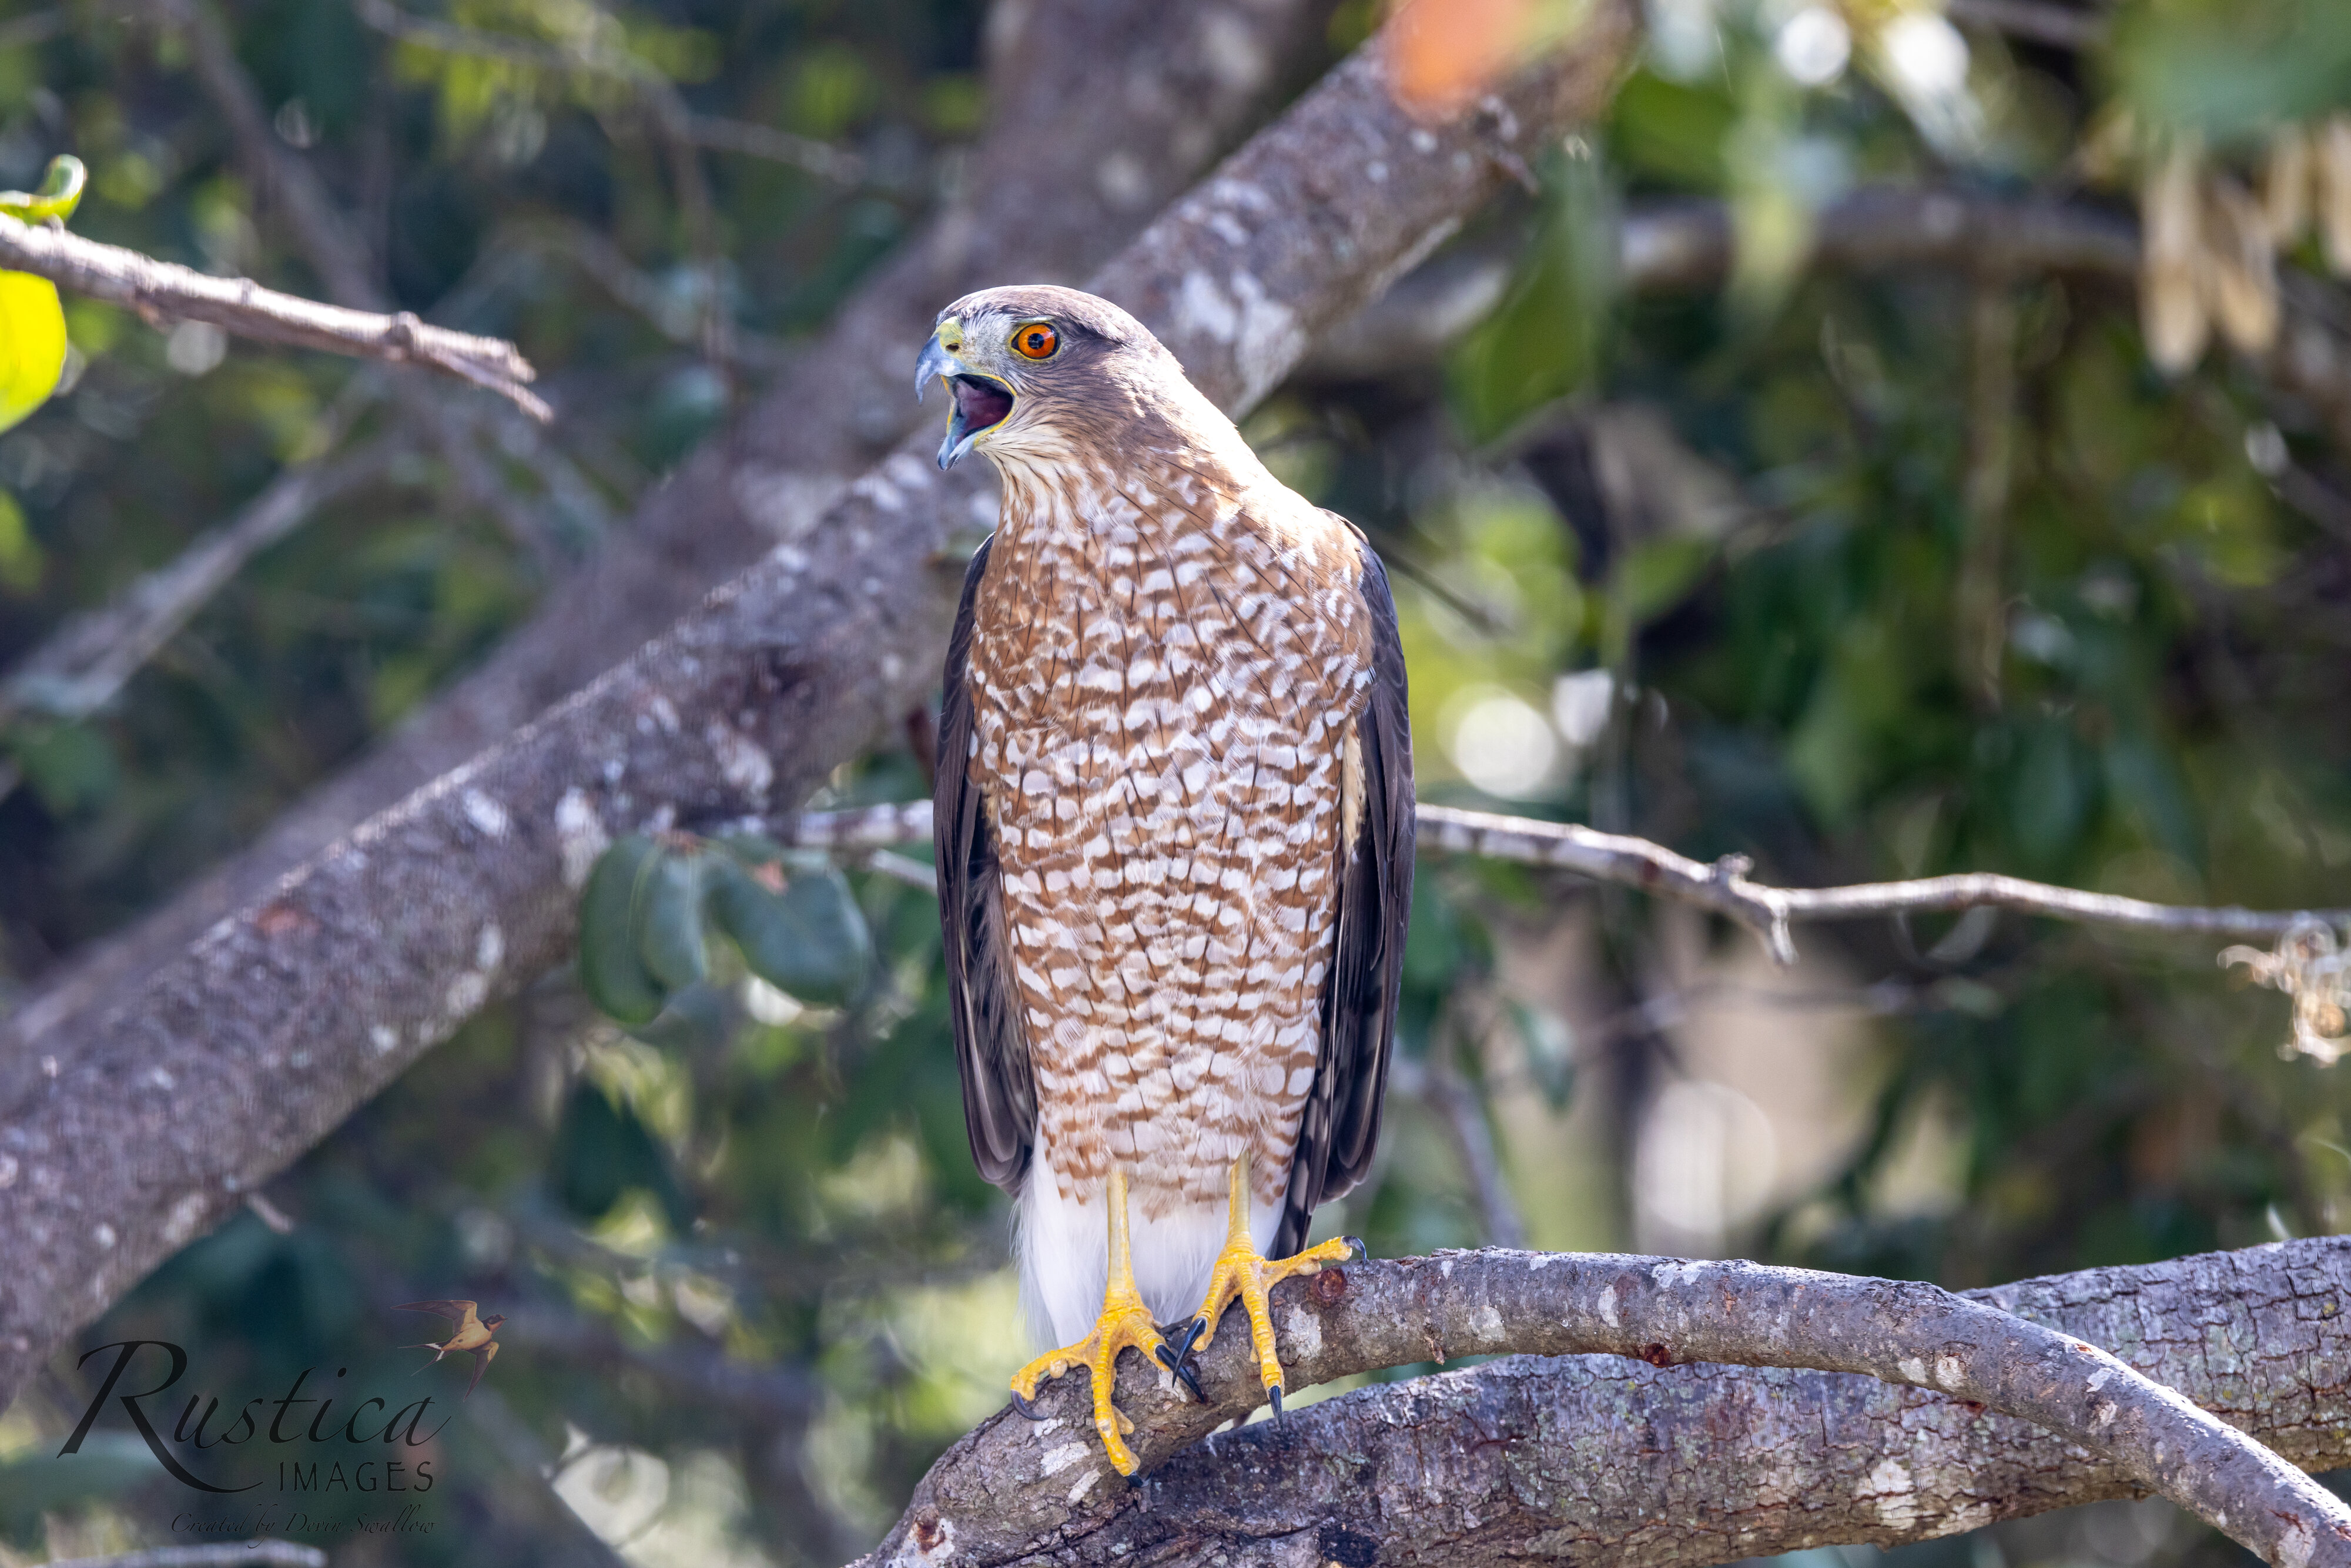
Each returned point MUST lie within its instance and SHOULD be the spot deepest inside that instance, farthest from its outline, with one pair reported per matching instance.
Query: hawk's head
(1037, 371)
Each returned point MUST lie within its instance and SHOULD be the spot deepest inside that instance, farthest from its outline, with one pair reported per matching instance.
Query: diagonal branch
(164, 290)
(1594, 1459)
(229, 1062)
(84, 663)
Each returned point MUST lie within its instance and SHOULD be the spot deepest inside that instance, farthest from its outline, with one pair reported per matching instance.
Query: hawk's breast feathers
(1174, 813)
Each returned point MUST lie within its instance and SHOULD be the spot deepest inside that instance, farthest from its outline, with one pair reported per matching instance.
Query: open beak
(981, 402)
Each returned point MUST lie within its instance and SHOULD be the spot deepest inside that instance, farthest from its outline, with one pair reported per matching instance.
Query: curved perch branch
(1013, 1492)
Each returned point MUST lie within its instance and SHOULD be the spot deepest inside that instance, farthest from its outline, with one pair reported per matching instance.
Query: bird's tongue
(978, 405)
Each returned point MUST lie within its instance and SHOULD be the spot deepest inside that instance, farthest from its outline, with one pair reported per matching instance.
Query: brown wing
(1341, 1126)
(458, 1312)
(482, 1359)
(1000, 1093)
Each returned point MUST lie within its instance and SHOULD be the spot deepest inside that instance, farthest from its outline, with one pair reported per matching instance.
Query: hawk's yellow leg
(1125, 1322)
(1240, 1271)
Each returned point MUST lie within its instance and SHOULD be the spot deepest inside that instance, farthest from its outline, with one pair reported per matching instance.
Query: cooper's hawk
(1175, 832)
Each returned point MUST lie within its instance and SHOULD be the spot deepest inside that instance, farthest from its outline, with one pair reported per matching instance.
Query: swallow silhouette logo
(474, 1334)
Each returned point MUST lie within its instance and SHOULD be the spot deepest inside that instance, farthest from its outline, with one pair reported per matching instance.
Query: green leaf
(1544, 340)
(612, 968)
(809, 940)
(671, 936)
(70, 766)
(59, 195)
(603, 1149)
(32, 344)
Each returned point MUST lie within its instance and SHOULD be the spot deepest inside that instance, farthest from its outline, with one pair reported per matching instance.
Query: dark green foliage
(651, 906)
(602, 1150)
(613, 966)
(809, 940)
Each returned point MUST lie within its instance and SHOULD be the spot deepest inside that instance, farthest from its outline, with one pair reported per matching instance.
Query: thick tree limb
(1103, 113)
(1722, 886)
(227, 1063)
(1603, 1460)
(166, 291)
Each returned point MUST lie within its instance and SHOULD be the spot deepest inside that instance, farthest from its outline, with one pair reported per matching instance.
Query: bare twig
(775, 146)
(1461, 1108)
(622, 279)
(1723, 886)
(86, 662)
(1017, 1491)
(162, 290)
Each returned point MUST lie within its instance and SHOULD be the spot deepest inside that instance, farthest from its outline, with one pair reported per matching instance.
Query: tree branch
(229, 1062)
(1723, 886)
(86, 661)
(1597, 1458)
(164, 290)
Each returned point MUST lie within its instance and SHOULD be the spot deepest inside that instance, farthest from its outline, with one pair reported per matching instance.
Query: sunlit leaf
(32, 323)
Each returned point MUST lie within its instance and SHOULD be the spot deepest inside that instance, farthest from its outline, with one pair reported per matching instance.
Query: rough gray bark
(1597, 1457)
(1104, 113)
(229, 1062)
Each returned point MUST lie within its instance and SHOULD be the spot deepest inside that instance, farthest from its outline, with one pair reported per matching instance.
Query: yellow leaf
(32, 344)
(32, 327)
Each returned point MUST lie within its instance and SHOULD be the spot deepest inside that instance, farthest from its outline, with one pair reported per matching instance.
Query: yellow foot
(1125, 1321)
(1240, 1271)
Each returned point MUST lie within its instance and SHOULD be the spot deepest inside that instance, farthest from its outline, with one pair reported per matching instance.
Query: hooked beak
(981, 402)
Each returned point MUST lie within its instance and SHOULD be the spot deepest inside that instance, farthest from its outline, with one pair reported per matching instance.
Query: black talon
(1174, 1362)
(1025, 1408)
(1273, 1392)
(1363, 1252)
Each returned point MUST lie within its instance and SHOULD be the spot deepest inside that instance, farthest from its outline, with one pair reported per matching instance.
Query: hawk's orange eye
(1036, 341)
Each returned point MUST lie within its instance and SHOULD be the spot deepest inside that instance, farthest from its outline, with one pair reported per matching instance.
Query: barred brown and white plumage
(1175, 832)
